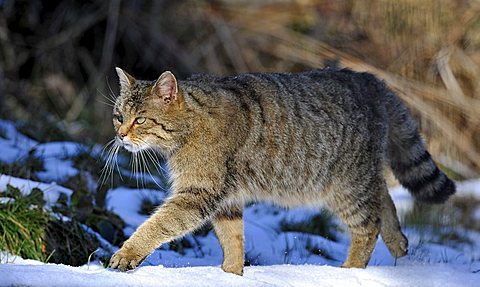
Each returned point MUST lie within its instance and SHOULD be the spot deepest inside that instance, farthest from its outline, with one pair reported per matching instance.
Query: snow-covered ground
(279, 258)
(441, 275)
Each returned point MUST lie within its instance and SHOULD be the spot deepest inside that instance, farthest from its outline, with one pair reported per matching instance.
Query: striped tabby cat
(317, 138)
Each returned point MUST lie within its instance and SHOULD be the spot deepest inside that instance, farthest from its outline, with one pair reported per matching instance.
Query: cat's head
(148, 114)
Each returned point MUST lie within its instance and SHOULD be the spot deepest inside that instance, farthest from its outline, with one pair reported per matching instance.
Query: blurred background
(57, 58)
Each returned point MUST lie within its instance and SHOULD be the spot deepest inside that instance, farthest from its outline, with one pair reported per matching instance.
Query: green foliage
(28, 231)
(319, 224)
(22, 224)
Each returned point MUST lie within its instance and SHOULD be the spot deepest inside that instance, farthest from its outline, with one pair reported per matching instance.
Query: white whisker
(113, 97)
(105, 103)
(107, 169)
(156, 163)
(110, 99)
(151, 175)
(143, 164)
(153, 157)
(135, 170)
(116, 162)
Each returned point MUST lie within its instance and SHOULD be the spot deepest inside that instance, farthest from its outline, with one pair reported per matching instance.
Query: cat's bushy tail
(409, 159)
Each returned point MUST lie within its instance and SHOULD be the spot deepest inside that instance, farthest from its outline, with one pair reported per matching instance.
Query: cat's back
(324, 106)
(316, 97)
(329, 85)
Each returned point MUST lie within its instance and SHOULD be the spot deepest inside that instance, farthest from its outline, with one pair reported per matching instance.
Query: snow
(274, 275)
(51, 191)
(476, 215)
(15, 144)
(469, 188)
(278, 258)
(126, 203)
(17, 147)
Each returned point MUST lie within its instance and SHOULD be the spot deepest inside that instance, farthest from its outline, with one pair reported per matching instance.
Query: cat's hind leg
(359, 208)
(390, 230)
(228, 226)
(363, 241)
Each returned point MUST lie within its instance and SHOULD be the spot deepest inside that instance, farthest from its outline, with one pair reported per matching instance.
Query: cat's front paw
(126, 258)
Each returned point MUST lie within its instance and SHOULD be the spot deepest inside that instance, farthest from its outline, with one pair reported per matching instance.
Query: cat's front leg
(142, 242)
(182, 213)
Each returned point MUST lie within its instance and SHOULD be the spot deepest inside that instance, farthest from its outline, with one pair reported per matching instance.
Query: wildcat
(316, 138)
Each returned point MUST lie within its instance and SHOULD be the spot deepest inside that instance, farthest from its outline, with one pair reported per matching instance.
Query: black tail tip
(440, 195)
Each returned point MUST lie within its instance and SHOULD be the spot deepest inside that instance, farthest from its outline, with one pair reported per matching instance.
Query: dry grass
(427, 51)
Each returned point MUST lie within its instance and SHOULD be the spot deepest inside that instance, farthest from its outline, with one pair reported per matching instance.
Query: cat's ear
(165, 88)
(125, 79)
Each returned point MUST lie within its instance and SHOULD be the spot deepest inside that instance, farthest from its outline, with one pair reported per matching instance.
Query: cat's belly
(287, 184)
(287, 199)
(291, 195)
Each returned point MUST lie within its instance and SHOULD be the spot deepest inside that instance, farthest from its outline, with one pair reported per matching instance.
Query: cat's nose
(121, 135)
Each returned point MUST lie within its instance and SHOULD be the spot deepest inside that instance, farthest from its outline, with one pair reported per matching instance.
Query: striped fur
(317, 138)
(410, 161)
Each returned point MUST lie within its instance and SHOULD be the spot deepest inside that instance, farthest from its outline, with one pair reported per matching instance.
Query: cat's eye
(119, 118)
(140, 120)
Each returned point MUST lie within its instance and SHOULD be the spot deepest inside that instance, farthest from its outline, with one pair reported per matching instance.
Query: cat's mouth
(131, 147)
